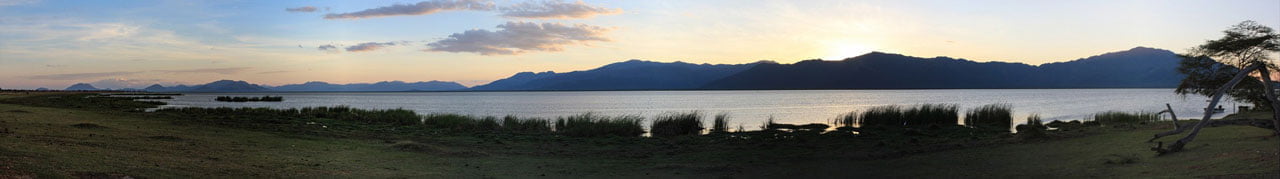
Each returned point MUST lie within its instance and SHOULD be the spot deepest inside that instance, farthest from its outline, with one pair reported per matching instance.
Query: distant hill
(628, 75)
(242, 86)
(379, 86)
(1134, 68)
(81, 87)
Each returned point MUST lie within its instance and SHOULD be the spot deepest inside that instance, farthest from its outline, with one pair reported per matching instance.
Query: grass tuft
(595, 125)
(1117, 118)
(997, 116)
(677, 124)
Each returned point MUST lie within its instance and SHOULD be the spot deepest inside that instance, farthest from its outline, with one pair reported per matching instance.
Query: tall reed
(595, 125)
(677, 124)
(997, 116)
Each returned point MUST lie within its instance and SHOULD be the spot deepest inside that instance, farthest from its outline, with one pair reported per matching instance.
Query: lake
(749, 108)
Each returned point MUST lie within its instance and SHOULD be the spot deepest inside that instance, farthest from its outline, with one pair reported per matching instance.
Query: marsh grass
(1113, 118)
(882, 117)
(249, 99)
(893, 116)
(677, 124)
(997, 116)
(595, 125)
(533, 125)
(720, 124)
(932, 114)
(1033, 129)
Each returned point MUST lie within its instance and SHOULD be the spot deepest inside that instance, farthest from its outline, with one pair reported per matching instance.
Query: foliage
(1213, 64)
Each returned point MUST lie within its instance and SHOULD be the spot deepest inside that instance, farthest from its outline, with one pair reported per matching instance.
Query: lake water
(749, 108)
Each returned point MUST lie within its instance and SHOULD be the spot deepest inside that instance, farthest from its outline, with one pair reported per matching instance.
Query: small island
(249, 99)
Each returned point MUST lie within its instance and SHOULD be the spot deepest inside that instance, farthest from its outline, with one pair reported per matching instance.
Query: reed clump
(677, 124)
(1033, 129)
(720, 124)
(533, 125)
(249, 99)
(893, 116)
(1113, 118)
(595, 125)
(997, 116)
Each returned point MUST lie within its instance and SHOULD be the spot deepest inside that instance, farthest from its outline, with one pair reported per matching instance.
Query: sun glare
(841, 51)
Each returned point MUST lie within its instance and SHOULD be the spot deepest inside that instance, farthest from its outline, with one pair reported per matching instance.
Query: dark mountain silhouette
(1139, 67)
(242, 86)
(228, 86)
(379, 86)
(81, 87)
(628, 75)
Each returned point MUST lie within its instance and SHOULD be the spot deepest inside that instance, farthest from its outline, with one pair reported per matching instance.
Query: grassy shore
(79, 140)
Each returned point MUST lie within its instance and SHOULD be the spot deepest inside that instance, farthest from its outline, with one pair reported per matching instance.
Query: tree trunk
(1208, 113)
(1271, 98)
(1176, 128)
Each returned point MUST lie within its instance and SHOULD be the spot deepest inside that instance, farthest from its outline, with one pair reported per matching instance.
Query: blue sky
(48, 43)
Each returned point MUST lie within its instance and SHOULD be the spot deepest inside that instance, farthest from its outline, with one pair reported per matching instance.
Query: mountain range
(1139, 67)
(314, 86)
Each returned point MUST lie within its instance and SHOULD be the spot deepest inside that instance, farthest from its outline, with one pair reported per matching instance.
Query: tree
(1220, 66)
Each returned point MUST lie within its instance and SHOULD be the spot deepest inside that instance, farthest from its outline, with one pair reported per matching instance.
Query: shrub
(992, 116)
(677, 124)
(594, 125)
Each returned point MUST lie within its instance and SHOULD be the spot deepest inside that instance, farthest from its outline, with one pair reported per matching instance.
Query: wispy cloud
(328, 48)
(555, 10)
(302, 9)
(420, 8)
(16, 2)
(370, 46)
(520, 37)
(225, 71)
(78, 76)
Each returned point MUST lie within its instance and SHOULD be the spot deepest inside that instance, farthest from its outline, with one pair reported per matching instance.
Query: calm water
(749, 108)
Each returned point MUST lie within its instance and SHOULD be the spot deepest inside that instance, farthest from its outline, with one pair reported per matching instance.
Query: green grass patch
(595, 125)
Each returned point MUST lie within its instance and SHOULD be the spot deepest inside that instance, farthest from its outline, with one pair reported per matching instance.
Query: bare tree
(1244, 49)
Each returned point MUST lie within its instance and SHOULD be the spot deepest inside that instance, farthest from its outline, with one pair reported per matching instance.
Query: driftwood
(1217, 95)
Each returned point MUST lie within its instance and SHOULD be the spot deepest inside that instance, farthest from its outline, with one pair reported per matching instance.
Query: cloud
(17, 2)
(77, 76)
(519, 37)
(555, 10)
(225, 71)
(420, 8)
(369, 46)
(329, 48)
(301, 9)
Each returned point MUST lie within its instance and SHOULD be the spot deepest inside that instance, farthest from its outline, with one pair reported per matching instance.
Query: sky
(118, 44)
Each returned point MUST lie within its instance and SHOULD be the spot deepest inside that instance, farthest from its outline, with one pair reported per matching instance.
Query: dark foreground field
(59, 140)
